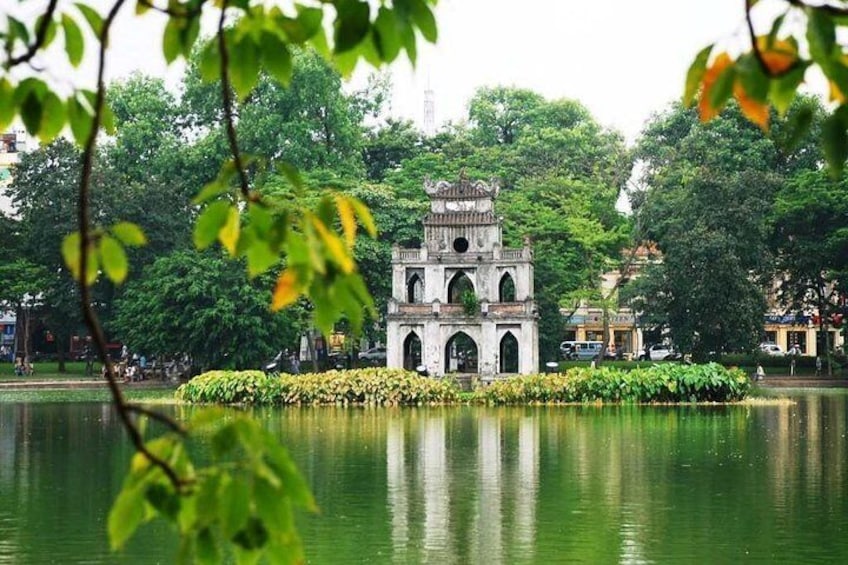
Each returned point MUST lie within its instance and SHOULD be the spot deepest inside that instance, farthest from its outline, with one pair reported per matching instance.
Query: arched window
(415, 289)
(411, 351)
(506, 289)
(461, 354)
(509, 354)
(459, 284)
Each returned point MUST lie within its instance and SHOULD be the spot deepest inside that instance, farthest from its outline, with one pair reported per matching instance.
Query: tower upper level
(461, 217)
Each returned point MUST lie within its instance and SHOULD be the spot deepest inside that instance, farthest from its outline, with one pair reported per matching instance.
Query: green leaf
(799, 124)
(352, 24)
(18, 30)
(243, 65)
(53, 117)
(7, 103)
(171, 41)
(276, 57)
(114, 259)
(750, 74)
(835, 141)
(189, 35)
(723, 87)
(821, 36)
(310, 22)
(126, 515)
(94, 19)
(129, 234)
(783, 89)
(234, 506)
(260, 258)
(209, 223)
(207, 550)
(74, 43)
(31, 112)
(80, 119)
(163, 499)
(424, 19)
(71, 253)
(386, 34)
(253, 535)
(407, 37)
(210, 62)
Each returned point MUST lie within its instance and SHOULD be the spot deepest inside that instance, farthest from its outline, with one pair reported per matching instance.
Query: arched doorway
(415, 289)
(509, 354)
(461, 354)
(411, 351)
(506, 289)
(459, 285)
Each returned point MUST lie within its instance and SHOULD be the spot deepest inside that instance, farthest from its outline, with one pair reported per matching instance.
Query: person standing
(818, 365)
(760, 372)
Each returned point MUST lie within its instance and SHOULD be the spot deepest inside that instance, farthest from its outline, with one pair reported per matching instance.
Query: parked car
(772, 349)
(374, 354)
(581, 350)
(659, 352)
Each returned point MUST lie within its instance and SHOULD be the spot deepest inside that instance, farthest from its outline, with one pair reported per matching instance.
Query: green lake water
(630, 484)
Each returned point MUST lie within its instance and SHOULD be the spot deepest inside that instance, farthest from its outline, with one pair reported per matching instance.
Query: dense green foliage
(720, 201)
(658, 383)
(202, 305)
(359, 386)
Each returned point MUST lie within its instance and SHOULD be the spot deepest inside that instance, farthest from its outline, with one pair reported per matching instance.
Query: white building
(462, 303)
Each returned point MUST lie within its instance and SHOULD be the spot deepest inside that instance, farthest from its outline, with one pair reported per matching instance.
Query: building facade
(462, 303)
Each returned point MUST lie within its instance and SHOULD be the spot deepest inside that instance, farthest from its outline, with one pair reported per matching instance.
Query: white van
(581, 350)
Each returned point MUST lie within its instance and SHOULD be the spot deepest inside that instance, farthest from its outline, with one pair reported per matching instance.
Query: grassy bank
(50, 370)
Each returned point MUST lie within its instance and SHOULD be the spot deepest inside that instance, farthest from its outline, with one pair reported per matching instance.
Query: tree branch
(40, 36)
(88, 312)
(228, 105)
(187, 14)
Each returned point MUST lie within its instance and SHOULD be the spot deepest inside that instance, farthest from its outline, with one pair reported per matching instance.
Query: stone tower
(462, 303)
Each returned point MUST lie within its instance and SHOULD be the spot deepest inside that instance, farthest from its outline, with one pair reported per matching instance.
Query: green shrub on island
(374, 385)
(657, 383)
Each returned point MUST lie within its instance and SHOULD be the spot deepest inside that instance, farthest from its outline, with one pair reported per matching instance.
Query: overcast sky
(623, 59)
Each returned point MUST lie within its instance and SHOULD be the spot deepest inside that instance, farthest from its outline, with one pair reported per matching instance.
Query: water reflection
(478, 485)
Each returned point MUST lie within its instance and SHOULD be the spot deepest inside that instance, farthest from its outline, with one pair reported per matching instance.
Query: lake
(615, 484)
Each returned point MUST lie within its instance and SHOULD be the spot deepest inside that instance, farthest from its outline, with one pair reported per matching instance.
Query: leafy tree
(202, 305)
(810, 239)
(500, 114)
(710, 189)
(387, 147)
(23, 286)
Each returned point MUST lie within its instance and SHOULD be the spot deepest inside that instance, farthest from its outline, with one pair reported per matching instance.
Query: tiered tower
(462, 303)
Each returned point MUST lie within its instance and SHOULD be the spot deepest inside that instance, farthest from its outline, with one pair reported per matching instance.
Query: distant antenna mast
(429, 112)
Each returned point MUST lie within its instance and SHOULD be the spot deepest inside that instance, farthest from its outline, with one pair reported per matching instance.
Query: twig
(89, 314)
(187, 14)
(227, 102)
(40, 36)
(158, 416)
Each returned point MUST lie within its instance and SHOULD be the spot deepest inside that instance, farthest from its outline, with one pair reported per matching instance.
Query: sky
(623, 59)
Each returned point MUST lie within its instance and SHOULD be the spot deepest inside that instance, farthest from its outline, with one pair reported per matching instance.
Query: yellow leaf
(286, 290)
(364, 216)
(757, 112)
(348, 219)
(836, 94)
(779, 56)
(705, 109)
(334, 244)
(229, 234)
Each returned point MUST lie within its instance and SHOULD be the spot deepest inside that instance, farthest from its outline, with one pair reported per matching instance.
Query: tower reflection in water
(438, 516)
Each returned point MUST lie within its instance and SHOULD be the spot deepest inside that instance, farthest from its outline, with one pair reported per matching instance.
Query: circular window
(460, 245)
